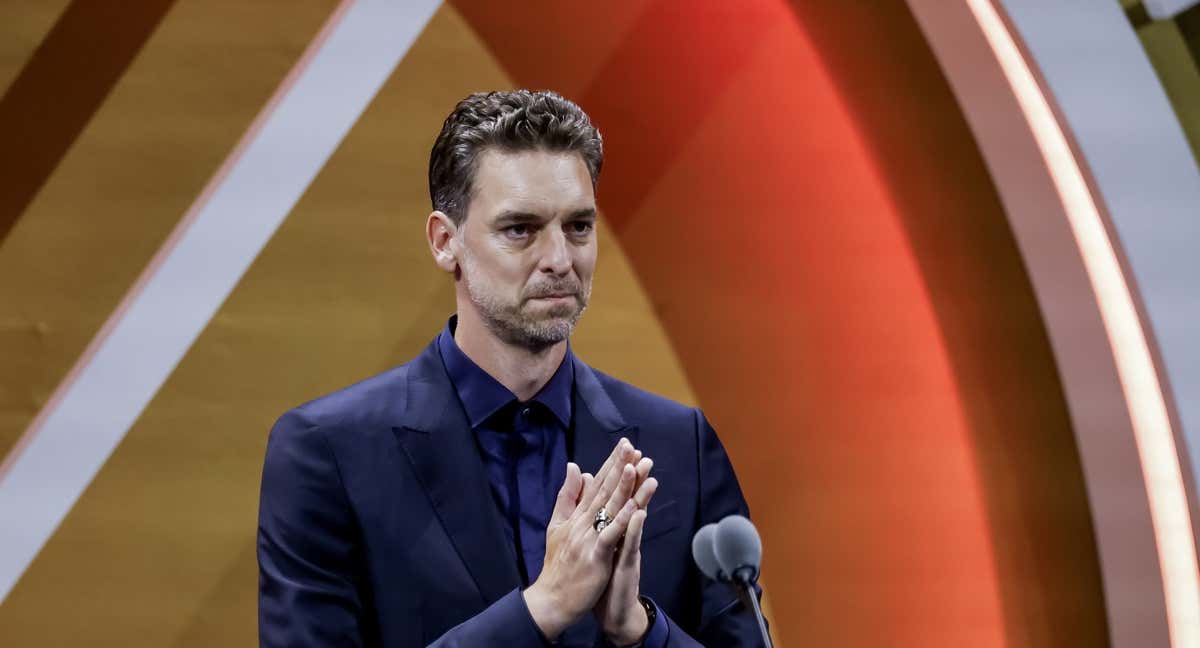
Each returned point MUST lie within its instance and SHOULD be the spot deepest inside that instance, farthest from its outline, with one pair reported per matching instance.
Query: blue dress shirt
(524, 448)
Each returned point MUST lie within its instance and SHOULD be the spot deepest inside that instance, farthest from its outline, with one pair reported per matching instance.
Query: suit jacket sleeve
(724, 620)
(310, 565)
(312, 589)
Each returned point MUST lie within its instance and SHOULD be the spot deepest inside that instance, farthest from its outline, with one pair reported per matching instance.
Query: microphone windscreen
(703, 552)
(737, 545)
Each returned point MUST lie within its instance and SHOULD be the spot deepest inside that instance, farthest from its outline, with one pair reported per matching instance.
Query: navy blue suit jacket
(377, 526)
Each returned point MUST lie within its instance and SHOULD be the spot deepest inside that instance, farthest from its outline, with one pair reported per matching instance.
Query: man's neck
(523, 371)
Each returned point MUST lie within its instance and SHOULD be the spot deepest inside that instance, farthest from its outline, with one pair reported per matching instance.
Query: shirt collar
(482, 395)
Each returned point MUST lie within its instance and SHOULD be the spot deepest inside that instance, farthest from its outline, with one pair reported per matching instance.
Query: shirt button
(525, 412)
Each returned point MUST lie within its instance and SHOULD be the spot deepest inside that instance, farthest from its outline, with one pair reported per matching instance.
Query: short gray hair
(509, 121)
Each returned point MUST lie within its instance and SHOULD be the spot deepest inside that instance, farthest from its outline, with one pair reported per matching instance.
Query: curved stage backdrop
(929, 268)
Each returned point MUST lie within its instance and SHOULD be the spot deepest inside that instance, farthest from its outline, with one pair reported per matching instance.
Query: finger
(612, 533)
(589, 507)
(644, 492)
(643, 467)
(605, 491)
(628, 555)
(621, 454)
(617, 453)
(568, 495)
(623, 490)
(585, 481)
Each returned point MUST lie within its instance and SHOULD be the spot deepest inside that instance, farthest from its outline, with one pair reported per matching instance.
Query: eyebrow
(512, 216)
(586, 212)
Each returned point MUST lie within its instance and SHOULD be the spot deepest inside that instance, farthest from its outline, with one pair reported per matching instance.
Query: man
(448, 501)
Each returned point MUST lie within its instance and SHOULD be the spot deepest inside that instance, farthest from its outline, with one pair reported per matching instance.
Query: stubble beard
(510, 323)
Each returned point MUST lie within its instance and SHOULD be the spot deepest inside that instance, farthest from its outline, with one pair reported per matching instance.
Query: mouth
(554, 298)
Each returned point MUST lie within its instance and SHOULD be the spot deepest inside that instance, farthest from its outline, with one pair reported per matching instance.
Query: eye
(581, 227)
(518, 231)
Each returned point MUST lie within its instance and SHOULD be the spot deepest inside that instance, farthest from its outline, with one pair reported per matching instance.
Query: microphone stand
(744, 579)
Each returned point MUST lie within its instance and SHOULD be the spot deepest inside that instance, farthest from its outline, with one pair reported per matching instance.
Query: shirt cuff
(656, 636)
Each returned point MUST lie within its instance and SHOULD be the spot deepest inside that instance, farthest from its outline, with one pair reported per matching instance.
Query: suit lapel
(438, 440)
(598, 423)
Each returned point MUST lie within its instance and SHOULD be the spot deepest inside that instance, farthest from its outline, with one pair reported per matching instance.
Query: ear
(440, 231)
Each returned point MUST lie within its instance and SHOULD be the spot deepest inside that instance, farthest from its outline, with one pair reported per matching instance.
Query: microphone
(738, 549)
(705, 555)
(730, 551)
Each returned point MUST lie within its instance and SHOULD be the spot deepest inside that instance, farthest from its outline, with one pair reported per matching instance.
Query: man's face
(528, 245)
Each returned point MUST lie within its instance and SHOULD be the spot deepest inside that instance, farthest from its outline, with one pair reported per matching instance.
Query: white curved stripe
(196, 269)
(1139, 381)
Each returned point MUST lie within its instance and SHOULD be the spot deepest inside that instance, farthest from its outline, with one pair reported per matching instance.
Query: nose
(554, 254)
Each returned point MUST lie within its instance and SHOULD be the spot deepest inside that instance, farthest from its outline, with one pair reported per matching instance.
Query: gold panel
(164, 129)
(128, 178)
(23, 25)
(1178, 72)
(160, 549)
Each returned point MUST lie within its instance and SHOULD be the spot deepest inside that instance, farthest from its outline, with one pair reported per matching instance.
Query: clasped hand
(585, 569)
